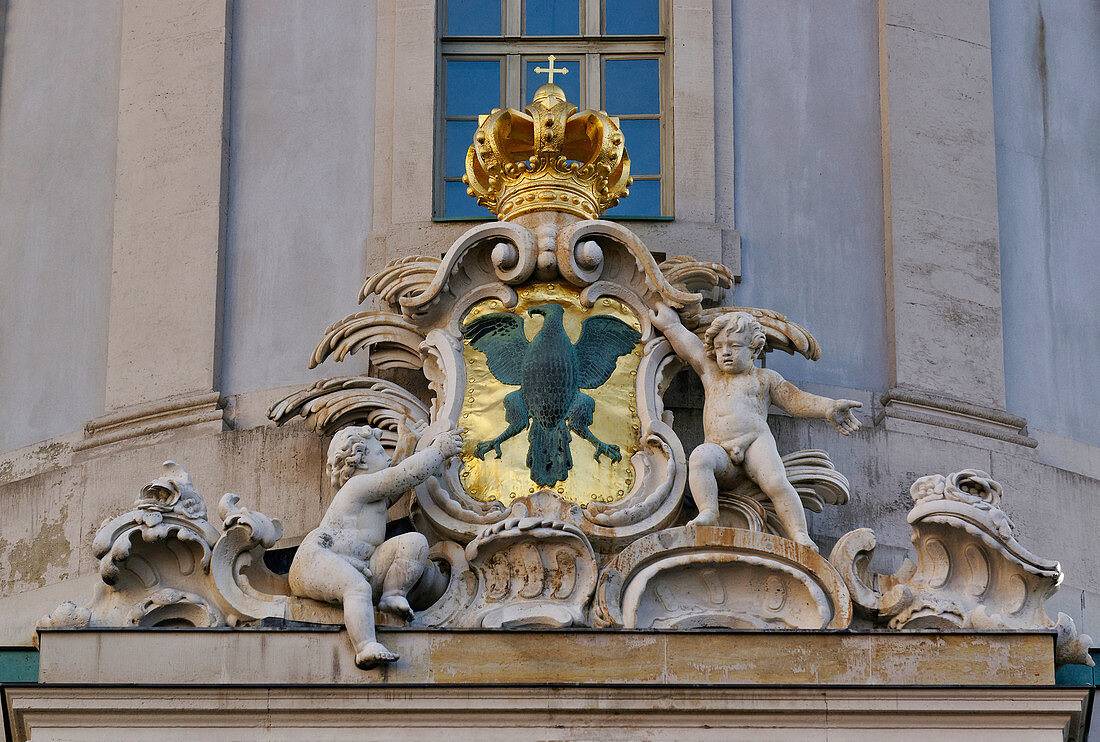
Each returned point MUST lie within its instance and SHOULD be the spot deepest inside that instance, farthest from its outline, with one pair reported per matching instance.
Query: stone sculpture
(347, 558)
(735, 417)
(543, 534)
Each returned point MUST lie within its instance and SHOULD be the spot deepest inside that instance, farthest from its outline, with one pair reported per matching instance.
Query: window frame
(592, 46)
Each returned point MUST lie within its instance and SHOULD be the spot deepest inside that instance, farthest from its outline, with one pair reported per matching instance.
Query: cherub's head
(733, 340)
(354, 449)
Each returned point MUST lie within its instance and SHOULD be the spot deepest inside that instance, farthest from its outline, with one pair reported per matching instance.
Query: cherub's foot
(485, 447)
(805, 540)
(705, 518)
(609, 450)
(396, 605)
(372, 655)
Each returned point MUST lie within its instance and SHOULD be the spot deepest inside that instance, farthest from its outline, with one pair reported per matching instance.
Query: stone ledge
(323, 655)
(497, 713)
(931, 409)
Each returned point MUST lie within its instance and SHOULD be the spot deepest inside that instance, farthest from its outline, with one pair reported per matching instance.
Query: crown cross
(551, 70)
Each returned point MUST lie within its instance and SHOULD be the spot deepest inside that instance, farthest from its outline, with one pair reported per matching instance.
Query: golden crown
(550, 158)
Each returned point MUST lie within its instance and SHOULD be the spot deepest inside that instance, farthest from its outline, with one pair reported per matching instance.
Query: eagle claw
(485, 447)
(609, 450)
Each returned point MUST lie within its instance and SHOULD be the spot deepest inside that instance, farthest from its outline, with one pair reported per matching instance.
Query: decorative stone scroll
(970, 573)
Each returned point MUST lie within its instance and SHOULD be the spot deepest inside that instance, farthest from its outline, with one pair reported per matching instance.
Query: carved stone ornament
(971, 572)
(542, 450)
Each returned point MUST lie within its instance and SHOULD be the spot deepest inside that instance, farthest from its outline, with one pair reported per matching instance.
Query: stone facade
(180, 227)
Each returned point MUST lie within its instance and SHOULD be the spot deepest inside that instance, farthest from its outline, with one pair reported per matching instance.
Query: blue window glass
(459, 136)
(631, 86)
(473, 17)
(643, 145)
(631, 17)
(570, 82)
(644, 200)
(473, 86)
(457, 204)
(552, 18)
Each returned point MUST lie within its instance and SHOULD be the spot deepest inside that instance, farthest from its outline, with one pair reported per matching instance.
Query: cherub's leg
(398, 563)
(517, 417)
(323, 575)
(707, 462)
(765, 467)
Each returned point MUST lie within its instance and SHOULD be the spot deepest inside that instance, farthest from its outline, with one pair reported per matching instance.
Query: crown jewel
(547, 158)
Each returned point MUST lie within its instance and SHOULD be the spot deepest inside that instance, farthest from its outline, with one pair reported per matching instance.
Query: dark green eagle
(550, 372)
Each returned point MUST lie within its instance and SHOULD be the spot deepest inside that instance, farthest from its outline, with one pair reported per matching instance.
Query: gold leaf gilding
(615, 420)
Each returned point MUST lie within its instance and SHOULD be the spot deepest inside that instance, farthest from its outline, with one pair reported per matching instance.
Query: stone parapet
(319, 655)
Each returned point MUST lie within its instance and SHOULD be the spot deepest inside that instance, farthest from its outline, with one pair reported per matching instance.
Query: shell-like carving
(408, 276)
(391, 340)
(709, 279)
(331, 404)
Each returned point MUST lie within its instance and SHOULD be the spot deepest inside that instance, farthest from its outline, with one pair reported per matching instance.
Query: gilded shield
(600, 442)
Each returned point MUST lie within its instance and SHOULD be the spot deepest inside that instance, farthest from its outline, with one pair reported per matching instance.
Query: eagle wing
(500, 337)
(603, 339)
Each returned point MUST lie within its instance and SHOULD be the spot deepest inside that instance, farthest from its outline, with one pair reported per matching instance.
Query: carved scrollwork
(970, 572)
(331, 404)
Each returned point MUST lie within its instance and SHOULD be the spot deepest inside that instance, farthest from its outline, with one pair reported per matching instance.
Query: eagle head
(547, 310)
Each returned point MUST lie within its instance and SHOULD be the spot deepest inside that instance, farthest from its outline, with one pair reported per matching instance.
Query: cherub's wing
(500, 337)
(603, 339)
(789, 337)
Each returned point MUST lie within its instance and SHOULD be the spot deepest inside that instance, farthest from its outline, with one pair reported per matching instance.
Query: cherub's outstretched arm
(798, 403)
(684, 342)
(411, 471)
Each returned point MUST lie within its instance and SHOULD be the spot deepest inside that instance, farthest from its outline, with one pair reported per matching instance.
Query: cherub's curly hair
(343, 459)
(736, 322)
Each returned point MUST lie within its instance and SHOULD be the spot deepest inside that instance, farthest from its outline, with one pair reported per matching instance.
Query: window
(614, 51)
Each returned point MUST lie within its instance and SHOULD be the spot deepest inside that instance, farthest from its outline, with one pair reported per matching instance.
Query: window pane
(457, 204)
(631, 86)
(631, 17)
(552, 18)
(459, 136)
(473, 86)
(570, 82)
(473, 17)
(644, 200)
(643, 145)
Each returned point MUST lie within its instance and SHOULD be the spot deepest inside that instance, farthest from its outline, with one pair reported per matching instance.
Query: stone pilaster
(943, 259)
(170, 190)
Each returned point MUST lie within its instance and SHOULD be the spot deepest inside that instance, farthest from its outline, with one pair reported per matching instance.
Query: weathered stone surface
(320, 655)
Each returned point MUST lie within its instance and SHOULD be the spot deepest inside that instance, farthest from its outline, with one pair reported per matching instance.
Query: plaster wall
(58, 104)
(808, 171)
(300, 168)
(1046, 86)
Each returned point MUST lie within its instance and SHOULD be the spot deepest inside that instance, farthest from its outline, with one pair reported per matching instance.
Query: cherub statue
(735, 415)
(347, 559)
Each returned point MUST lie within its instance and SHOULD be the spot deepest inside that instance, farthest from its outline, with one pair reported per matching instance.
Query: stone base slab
(609, 713)
(323, 655)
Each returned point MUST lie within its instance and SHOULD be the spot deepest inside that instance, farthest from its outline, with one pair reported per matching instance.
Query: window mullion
(513, 17)
(592, 81)
(513, 81)
(591, 9)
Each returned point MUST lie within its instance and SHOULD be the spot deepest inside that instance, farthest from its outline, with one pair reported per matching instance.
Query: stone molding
(931, 409)
(654, 712)
(204, 411)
